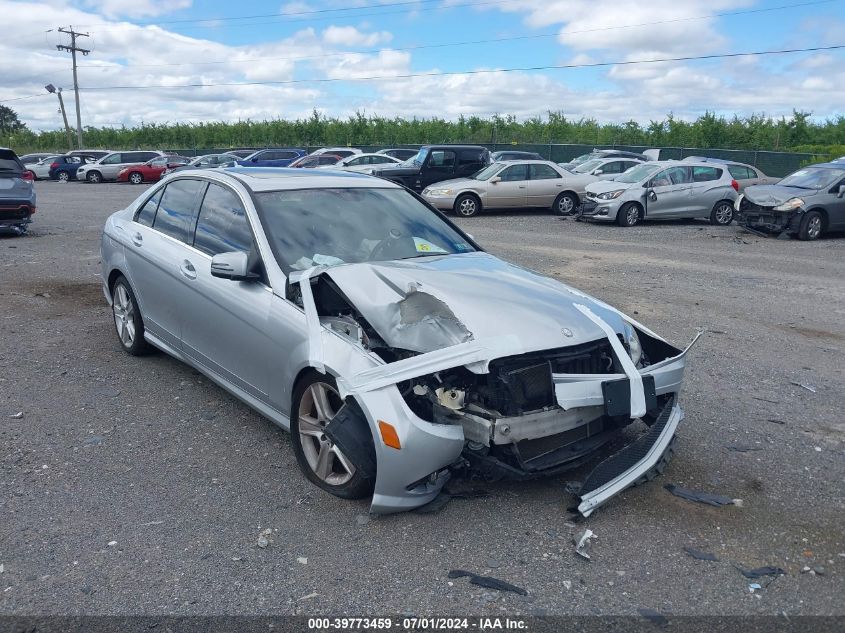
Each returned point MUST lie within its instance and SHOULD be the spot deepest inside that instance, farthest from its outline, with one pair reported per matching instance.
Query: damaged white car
(394, 349)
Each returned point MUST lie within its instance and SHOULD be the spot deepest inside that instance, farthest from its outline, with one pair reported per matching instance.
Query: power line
(467, 42)
(73, 49)
(479, 71)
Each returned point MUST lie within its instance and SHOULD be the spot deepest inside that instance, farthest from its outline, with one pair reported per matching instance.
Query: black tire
(722, 213)
(565, 203)
(63, 176)
(94, 177)
(131, 338)
(136, 178)
(467, 205)
(811, 227)
(627, 216)
(346, 485)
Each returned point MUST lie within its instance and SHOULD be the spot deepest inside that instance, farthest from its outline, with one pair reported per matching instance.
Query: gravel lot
(135, 486)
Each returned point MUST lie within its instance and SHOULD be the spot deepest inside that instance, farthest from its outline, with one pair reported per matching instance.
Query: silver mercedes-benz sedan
(395, 350)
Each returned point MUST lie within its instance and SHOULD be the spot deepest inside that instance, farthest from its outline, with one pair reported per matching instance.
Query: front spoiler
(603, 482)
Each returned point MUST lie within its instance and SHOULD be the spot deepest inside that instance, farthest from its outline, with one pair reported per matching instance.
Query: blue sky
(159, 43)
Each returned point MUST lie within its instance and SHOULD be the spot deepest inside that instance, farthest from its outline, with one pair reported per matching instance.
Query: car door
(511, 190)
(225, 321)
(669, 193)
(708, 187)
(439, 165)
(544, 185)
(158, 256)
(469, 162)
(110, 166)
(835, 205)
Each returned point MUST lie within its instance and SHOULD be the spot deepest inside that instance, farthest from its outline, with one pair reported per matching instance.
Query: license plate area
(617, 396)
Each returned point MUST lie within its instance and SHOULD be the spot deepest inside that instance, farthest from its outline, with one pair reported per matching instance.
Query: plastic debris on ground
(809, 388)
(583, 544)
(759, 572)
(697, 554)
(700, 497)
(488, 582)
(264, 538)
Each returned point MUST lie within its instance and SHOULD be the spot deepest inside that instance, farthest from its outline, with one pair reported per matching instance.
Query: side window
(364, 160)
(705, 174)
(327, 160)
(469, 157)
(286, 155)
(114, 159)
(739, 172)
(671, 176)
(148, 212)
(176, 211)
(441, 158)
(222, 224)
(514, 173)
(613, 167)
(543, 172)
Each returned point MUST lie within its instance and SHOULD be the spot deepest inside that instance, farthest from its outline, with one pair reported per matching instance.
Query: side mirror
(233, 265)
(495, 179)
(652, 195)
(841, 191)
(598, 172)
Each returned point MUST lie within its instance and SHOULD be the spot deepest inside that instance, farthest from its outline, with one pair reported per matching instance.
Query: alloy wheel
(124, 316)
(318, 405)
(814, 227)
(136, 179)
(633, 215)
(467, 207)
(63, 176)
(724, 213)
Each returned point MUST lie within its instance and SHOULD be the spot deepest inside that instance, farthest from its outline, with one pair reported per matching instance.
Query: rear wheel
(136, 178)
(565, 204)
(127, 319)
(63, 176)
(812, 225)
(94, 177)
(315, 402)
(629, 215)
(722, 213)
(467, 205)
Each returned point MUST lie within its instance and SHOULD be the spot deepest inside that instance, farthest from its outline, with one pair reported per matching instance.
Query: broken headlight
(790, 205)
(632, 342)
(610, 195)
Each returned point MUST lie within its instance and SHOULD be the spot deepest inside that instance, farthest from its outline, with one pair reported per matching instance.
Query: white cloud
(350, 36)
(135, 8)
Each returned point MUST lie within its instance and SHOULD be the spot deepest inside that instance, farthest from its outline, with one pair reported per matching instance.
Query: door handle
(137, 239)
(522, 186)
(188, 270)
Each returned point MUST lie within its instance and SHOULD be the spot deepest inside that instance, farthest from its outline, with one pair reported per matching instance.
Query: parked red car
(150, 171)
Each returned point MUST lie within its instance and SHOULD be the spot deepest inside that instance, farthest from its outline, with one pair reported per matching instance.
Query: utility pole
(73, 49)
(51, 88)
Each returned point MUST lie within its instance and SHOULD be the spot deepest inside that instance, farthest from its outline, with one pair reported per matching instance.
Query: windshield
(818, 178)
(487, 172)
(308, 227)
(638, 173)
(583, 158)
(587, 166)
(417, 159)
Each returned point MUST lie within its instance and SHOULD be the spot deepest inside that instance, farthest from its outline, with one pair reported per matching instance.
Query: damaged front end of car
(449, 391)
(765, 213)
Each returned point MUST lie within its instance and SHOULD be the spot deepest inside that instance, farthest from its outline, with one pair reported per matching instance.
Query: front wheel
(94, 177)
(811, 226)
(127, 319)
(467, 205)
(63, 176)
(722, 213)
(565, 204)
(629, 215)
(136, 178)
(315, 403)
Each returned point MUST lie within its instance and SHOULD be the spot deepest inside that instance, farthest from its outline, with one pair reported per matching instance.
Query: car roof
(281, 178)
(830, 165)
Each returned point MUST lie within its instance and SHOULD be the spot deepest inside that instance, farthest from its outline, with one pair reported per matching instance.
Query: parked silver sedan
(527, 184)
(344, 309)
(40, 169)
(663, 190)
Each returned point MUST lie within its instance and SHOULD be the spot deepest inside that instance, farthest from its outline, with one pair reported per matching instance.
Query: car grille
(595, 357)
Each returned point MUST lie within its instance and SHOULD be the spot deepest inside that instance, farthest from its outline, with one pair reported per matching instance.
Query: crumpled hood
(603, 186)
(773, 195)
(431, 303)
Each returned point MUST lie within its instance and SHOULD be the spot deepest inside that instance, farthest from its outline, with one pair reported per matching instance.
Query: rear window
(9, 162)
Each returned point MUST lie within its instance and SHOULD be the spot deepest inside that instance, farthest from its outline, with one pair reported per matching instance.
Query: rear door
(543, 186)
(226, 321)
(469, 162)
(708, 187)
(511, 191)
(439, 165)
(836, 207)
(672, 188)
(159, 256)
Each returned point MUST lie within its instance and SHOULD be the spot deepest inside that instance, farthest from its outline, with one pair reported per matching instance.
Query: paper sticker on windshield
(424, 246)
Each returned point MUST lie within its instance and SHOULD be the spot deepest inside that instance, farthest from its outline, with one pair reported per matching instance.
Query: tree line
(798, 133)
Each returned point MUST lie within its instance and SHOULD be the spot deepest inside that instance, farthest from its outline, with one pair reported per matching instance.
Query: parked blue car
(64, 168)
(272, 157)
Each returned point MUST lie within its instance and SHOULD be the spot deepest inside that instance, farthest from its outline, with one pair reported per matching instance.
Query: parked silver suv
(110, 165)
(662, 190)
